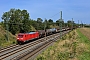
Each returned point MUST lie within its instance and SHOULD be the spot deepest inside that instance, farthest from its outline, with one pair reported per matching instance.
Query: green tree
(39, 24)
(25, 21)
(34, 23)
(59, 22)
(69, 22)
(50, 22)
(39, 20)
(14, 18)
(46, 24)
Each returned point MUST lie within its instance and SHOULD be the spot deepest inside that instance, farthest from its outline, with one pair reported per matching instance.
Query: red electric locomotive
(23, 37)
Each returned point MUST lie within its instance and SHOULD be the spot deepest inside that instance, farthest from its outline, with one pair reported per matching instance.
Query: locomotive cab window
(20, 36)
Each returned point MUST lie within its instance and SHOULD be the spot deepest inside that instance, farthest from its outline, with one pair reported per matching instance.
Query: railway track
(31, 54)
(17, 49)
(8, 48)
(15, 52)
(33, 49)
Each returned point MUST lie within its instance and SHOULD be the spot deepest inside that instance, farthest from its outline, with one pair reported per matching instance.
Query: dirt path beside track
(86, 32)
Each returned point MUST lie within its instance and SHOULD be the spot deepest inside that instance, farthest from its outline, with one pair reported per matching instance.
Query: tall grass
(4, 42)
(61, 50)
(3, 38)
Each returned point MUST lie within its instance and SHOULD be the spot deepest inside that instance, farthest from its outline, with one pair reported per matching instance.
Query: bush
(63, 56)
(41, 58)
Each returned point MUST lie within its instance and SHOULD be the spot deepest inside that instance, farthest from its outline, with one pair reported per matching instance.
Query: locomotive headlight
(17, 38)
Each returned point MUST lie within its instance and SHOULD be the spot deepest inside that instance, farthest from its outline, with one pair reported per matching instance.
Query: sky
(79, 10)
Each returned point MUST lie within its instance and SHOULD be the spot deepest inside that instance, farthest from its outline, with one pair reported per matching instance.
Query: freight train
(24, 37)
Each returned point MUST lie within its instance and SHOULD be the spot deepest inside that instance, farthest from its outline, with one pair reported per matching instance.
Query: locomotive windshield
(20, 36)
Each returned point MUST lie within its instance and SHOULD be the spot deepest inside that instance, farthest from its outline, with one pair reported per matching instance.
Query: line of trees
(19, 21)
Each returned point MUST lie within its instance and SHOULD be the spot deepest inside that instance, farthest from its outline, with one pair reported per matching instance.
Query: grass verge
(73, 46)
(63, 49)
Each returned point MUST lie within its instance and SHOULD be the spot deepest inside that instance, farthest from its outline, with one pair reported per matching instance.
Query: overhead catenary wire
(60, 23)
(55, 14)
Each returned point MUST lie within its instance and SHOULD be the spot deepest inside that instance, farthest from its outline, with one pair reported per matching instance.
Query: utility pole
(45, 29)
(72, 23)
(60, 24)
(78, 23)
(7, 35)
(81, 23)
